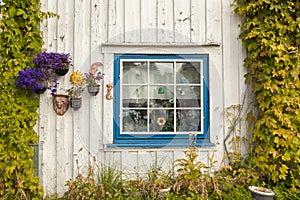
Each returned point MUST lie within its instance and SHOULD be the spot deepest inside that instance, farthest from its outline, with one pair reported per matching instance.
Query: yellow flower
(161, 121)
(77, 78)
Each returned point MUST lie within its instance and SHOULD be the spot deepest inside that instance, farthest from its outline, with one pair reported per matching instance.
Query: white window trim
(215, 77)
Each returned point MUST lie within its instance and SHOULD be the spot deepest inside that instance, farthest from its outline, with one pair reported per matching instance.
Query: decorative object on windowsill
(60, 103)
(93, 79)
(58, 63)
(161, 90)
(77, 81)
(109, 87)
(261, 193)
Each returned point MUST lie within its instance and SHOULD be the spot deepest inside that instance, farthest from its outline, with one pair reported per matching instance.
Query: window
(160, 100)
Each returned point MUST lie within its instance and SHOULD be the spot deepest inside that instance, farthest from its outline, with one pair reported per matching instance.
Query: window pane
(162, 120)
(161, 96)
(188, 120)
(161, 72)
(188, 72)
(188, 96)
(135, 103)
(135, 72)
(134, 120)
(134, 92)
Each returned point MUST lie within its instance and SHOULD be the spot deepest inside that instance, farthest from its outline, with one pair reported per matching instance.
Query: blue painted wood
(159, 139)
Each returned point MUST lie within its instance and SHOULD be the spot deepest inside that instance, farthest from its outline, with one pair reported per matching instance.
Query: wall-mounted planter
(75, 103)
(43, 89)
(63, 70)
(60, 103)
(261, 193)
(93, 90)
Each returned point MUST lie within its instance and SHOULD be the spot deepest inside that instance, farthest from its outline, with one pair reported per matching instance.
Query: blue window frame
(161, 100)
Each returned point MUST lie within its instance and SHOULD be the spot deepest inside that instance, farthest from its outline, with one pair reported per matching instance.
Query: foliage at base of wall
(20, 40)
(270, 31)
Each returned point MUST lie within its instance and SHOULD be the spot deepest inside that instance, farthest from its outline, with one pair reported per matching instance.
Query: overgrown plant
(20, 40)
(270, 32)
(99, 182)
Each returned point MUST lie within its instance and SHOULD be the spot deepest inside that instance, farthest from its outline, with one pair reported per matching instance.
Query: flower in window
(161, 121)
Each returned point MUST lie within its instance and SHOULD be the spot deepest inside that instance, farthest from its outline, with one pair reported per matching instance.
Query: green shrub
(270, 32)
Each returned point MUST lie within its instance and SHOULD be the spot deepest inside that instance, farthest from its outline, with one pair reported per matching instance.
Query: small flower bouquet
(77, 81)
(93, 80)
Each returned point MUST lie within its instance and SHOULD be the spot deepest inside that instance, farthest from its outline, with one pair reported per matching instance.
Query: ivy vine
(20, 40)
(270, 31)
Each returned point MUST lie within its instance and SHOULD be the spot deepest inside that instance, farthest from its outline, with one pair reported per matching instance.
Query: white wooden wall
(87, 29)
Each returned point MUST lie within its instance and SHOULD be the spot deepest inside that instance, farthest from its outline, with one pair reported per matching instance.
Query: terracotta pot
(60, 103)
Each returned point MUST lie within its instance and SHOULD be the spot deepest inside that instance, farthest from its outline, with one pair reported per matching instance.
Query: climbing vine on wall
(20, 40)
(270, 31)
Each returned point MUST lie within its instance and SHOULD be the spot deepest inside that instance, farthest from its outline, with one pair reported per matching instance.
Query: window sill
(158, 145)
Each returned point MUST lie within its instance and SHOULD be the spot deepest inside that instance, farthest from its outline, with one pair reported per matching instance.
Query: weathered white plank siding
(87, 30)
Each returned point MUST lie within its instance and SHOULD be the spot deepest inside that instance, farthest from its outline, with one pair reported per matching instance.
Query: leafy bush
(270, 32)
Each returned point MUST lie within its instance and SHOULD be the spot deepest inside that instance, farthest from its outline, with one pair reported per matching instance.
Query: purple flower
(52, 60)
(31, 79)
(92, 80)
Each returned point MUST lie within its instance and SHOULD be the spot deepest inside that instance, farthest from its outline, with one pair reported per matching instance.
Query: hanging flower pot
(93, 90)
(75, 102)
(60, 103)
(261, 193)
(63, 70)
(41, 88)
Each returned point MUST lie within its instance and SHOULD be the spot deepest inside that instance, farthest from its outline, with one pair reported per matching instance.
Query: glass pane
(188, 96)
(161, 72)
(161, 92)
(135, 72)
(161, 120)
(161, 103)
(188, 73)
(134, 103)
(134, 120)
(188, 120)
(134, 92)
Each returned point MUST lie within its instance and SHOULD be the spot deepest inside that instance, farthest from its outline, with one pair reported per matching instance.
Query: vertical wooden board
(64, 123)
(231, 57)
(213, 24)
(165, 21)
(132, 21)
(48, 116)
(82, 34)
(99, 26)
(108, 104)
(198, 21)
(112, 159)
(149, 21)
(98, 36)
(130, 164)
(233, 66)
(47, 135)
(116, 17)
(203, 156)
(165, 160)
(146, 162)
(182, 20)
